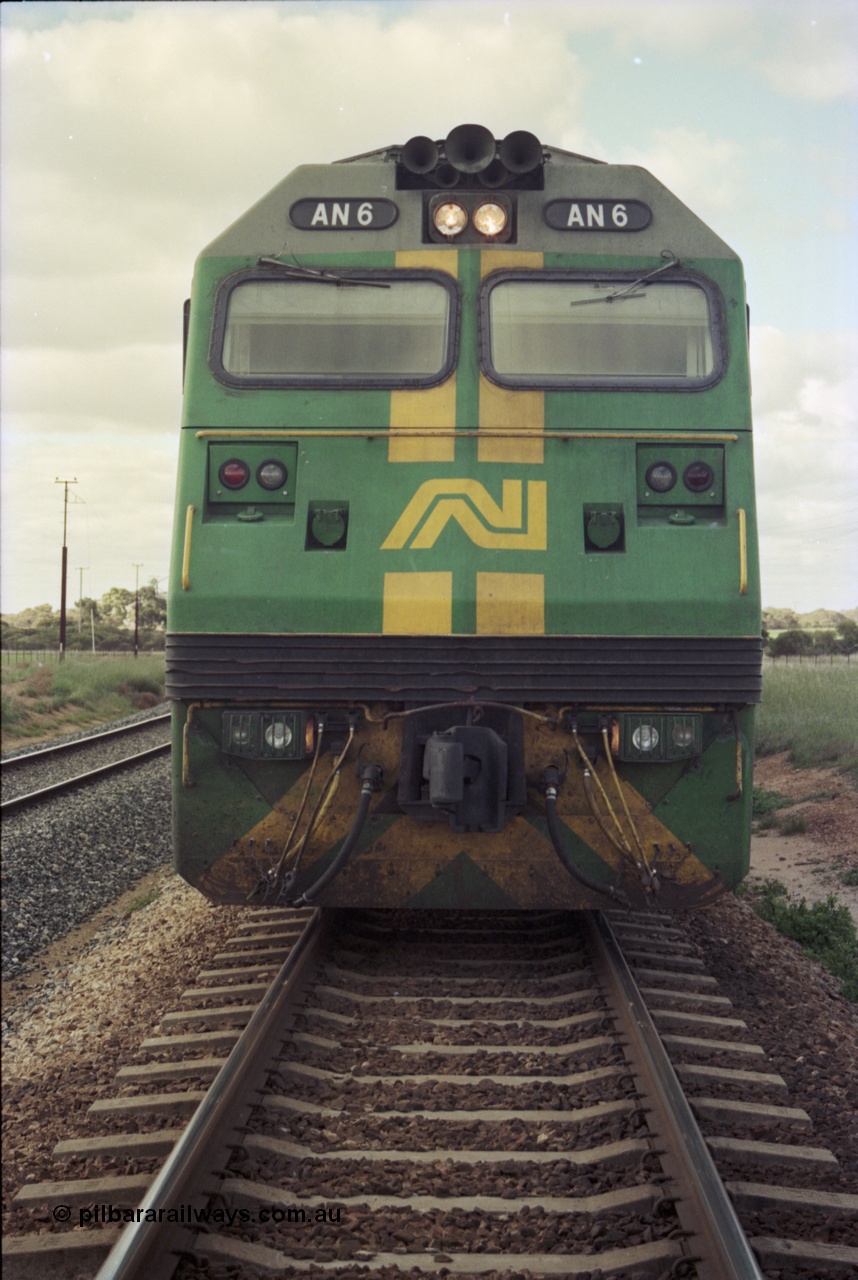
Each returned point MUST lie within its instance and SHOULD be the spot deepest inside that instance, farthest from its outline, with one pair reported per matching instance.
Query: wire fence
(16, 656)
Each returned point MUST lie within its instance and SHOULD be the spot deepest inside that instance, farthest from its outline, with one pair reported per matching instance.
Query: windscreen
(290, 329)
(587, 331)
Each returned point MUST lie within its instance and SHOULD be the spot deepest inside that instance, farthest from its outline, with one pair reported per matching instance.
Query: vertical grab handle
(186, 554)
(743, 551)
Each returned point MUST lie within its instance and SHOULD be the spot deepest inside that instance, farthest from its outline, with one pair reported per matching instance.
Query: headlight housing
(649, 737)
(264, 735)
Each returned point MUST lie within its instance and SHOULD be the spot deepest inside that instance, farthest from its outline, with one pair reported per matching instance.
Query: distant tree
(115, 604)
(34, 628)
(847, 631)
(791, 644)
(153, 606)
(825, 644)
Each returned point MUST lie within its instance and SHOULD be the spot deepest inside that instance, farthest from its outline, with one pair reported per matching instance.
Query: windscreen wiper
(628, 291)
(319, 276)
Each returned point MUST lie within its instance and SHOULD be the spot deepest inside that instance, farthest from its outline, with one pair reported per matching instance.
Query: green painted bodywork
(259, 575)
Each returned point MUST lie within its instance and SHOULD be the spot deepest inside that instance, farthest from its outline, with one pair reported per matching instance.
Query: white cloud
(705, 171)
(806, 448)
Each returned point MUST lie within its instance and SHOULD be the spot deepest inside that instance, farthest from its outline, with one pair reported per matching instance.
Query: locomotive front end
(464, 606)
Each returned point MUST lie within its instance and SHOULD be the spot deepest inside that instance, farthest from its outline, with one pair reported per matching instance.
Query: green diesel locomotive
(464, 607)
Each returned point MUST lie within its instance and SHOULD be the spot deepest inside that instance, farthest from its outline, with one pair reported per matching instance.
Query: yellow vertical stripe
(418, 604)
(428, 408)
(500, 408)
(510, 604)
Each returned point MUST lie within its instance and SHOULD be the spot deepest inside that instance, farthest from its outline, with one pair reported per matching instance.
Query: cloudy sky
(132, 133)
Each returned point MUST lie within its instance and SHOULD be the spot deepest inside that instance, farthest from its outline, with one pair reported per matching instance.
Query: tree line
(797, 643)
(106, 624)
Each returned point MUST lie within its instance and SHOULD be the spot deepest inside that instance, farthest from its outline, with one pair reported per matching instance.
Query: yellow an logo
(481, 519)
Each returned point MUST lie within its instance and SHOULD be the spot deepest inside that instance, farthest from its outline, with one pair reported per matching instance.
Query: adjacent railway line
(456, 1094)
(33, 776)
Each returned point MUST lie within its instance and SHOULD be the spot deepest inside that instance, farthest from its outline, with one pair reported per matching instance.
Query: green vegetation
(811, 712)
(823, 634)
(42, 702)
(824, 930)
(142, 901)
(106, 624)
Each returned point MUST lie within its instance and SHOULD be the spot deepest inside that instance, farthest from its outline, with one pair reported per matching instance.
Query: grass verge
(811, 712)
(823, 930)
(40, 702)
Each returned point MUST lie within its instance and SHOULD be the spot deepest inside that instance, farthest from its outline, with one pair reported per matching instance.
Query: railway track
(34, 776)
(451, 1094)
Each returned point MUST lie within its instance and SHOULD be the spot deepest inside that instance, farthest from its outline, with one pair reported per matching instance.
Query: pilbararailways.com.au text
(101, 1214)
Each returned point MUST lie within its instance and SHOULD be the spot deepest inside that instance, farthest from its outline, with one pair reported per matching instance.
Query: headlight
(490, 219)
(278, 736)
(645, 737)
(683, 734)
(450, 219)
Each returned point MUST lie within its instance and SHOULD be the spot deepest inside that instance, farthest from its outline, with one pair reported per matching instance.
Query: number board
(348, 214)
(584, 214)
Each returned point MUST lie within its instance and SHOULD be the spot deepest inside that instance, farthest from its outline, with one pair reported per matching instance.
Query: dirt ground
(811, 864)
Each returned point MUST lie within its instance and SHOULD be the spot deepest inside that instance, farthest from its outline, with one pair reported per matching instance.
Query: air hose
(551, 779)
(371, 779)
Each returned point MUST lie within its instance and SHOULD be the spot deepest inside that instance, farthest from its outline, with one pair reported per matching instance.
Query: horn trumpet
(470, 148)
(521, 151)
(420, 154)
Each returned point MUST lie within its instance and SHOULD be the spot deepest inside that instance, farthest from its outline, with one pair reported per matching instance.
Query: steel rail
(68, 784)
(61, 748)
(132, 1256)
(702, 1202)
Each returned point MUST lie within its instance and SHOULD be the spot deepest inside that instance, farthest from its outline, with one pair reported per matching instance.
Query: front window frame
(333, 381)
(604, 382)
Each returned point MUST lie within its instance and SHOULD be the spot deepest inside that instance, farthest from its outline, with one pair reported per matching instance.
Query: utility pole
(66, 484)
(137, 567)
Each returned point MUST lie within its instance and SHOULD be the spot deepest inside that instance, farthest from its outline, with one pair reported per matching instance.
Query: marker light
(271, 474)
(645, 737)
(450, 219)
(660, 477)
(234, 474)
(698, 476)
(490, 219)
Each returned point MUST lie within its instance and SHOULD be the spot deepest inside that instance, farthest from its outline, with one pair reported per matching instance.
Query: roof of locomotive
(265, 229)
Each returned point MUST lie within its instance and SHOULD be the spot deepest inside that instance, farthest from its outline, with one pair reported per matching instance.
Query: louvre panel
(419, 669)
